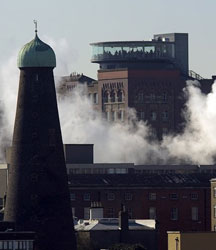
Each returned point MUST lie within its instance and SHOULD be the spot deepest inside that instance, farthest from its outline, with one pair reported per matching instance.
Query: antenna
(35, 22)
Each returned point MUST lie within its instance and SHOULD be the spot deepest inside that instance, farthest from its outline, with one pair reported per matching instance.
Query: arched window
(112, 96)
(120, 95)
(106, 97)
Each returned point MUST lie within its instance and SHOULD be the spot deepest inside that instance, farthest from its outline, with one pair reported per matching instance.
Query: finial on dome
(35, 22)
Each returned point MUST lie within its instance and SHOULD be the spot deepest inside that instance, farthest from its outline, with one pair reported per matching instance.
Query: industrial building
(148, 76)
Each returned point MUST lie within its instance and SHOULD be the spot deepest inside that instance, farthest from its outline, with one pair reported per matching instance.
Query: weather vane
(35, 22)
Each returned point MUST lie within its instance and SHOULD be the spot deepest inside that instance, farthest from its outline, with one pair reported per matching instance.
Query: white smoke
(130, 142)
(9, 82)
(197, 143)
(118, 142)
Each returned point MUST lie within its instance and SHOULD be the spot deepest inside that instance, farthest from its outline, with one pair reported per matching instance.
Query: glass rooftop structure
(133, 51)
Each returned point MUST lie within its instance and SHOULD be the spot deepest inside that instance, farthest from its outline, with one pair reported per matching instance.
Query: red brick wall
(140, 204)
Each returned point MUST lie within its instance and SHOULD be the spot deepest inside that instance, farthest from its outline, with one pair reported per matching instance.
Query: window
(152, 213)
(110, 212)
(120, 96)
(86, 213)
(110, 196)
(152, 196)
(174, 213)
(215, 228)
(164, 131)
(164, 115)
(142, 115)
(72, 196)
(87, 197)
(194, 196)
(174, 196)
(214, 192)
(194, 213)
(140, 97)
(112, 96)
(214, 211)
(95, 98)
(106, 97)
(164, 96)
(153, 116)
(128, 196)
(152, 97)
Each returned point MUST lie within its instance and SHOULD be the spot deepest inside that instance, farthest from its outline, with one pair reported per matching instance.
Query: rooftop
(141, 180)
(113, 224)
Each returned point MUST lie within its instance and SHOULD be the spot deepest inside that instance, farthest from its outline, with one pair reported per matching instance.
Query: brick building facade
(176, 201)
(148, 76)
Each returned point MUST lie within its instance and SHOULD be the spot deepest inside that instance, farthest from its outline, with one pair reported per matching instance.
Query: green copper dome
(36, 54)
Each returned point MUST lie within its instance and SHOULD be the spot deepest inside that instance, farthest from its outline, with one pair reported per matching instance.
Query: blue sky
(81, 22)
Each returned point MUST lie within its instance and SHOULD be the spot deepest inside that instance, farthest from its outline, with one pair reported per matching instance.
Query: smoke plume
(118, 142)
(130, 142)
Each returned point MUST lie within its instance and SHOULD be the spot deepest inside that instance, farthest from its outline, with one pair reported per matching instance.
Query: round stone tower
(38, 195)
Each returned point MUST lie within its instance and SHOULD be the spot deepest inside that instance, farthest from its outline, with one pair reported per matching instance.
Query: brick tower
(38, 195)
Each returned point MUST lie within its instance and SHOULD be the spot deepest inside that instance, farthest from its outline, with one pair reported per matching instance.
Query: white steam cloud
(118, 142)
(130, 142)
